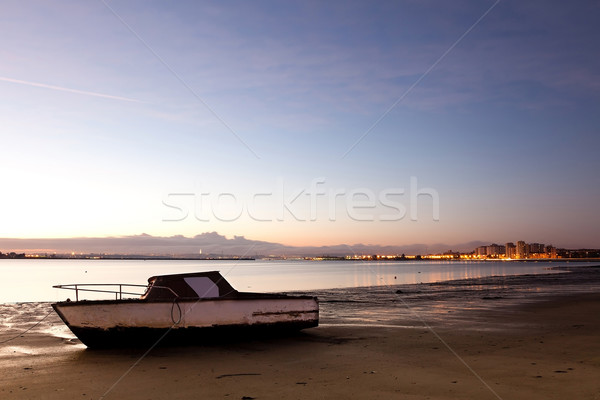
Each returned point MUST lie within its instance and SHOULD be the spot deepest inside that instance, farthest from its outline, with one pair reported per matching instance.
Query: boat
(181, 309)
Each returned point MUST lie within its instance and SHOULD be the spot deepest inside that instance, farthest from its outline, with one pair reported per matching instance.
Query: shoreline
(526, 337)
(410, 258)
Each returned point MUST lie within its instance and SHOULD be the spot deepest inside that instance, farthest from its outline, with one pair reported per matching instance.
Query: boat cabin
(197, 285)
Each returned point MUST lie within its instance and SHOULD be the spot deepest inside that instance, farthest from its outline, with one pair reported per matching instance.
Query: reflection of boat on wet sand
(184, 308)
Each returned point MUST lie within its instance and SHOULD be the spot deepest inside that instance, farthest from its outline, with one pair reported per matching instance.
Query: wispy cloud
(69, 90)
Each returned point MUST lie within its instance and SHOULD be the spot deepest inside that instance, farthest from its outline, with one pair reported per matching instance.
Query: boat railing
(105, 288)
(117, 289)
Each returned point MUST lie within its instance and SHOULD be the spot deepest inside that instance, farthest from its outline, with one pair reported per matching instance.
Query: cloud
(69, 90)
(210, 243)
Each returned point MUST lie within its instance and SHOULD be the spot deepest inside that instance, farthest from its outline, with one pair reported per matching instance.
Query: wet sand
(531, 337)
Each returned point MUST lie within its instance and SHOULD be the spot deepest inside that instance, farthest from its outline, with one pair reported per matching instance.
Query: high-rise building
(493, 250)
(510, 250)
(522, 250)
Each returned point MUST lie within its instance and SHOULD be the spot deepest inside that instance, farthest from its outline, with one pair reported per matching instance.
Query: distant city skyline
(314, 124)
(212, 244)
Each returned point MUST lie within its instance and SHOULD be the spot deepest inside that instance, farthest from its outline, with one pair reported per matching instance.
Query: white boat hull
(128, 322)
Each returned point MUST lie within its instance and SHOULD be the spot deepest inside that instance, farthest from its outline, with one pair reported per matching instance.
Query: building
(510, 250)
(481, 251)
(522, 250)
(494, 250)
(537, 248)
(551, 251)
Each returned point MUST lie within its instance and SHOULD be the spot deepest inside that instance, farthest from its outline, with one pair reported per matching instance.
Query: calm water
(32, 280)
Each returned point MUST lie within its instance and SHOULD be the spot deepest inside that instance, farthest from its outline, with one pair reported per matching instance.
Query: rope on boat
(176, 303)
(28, 329)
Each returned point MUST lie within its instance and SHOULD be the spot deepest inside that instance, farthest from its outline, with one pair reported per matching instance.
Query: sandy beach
(494, 338)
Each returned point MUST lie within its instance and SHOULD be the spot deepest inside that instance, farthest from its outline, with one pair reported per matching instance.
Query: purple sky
(301, 122)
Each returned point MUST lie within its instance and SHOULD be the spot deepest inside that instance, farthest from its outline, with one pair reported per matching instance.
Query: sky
(303, 123)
